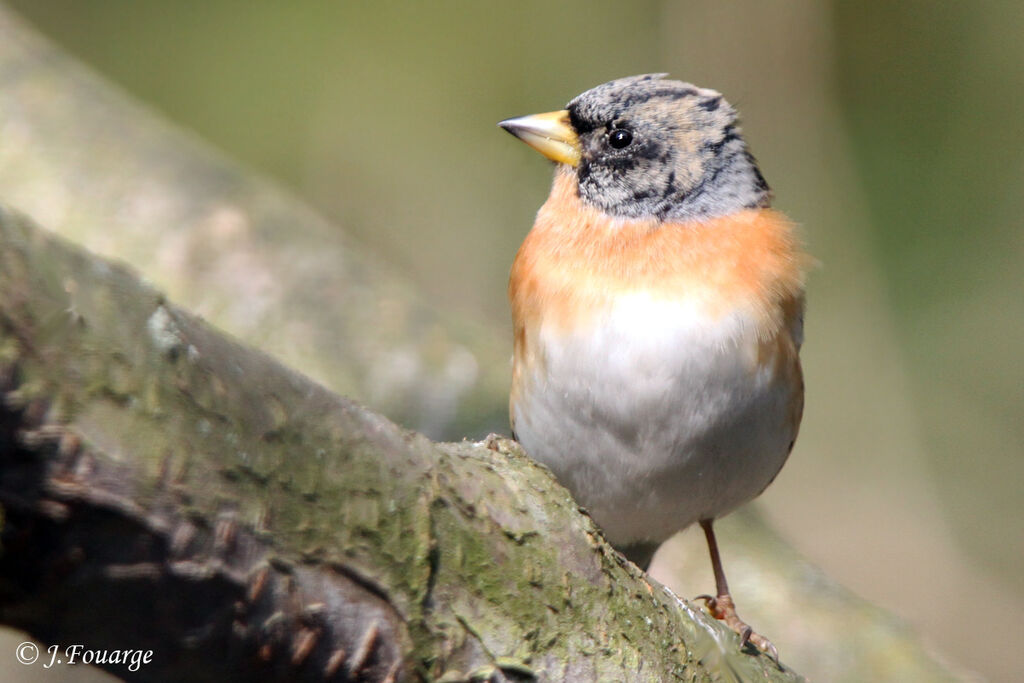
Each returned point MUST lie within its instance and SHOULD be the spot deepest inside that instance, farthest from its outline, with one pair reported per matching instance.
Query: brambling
(658, 315)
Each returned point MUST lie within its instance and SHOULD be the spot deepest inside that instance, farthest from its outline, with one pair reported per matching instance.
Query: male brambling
(658, 314)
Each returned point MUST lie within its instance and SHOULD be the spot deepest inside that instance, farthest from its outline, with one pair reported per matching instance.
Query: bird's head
(645, 147)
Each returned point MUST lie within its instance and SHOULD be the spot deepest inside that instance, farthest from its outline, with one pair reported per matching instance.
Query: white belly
(657, 415)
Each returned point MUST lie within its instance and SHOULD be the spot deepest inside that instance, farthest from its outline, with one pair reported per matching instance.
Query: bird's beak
(550, 134)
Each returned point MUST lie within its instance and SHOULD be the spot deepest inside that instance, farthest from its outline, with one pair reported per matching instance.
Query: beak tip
(508, 125)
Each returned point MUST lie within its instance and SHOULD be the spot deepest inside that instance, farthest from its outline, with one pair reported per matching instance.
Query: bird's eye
(619, 138)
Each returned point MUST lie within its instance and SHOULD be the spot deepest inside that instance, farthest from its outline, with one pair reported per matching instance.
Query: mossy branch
(165, 487)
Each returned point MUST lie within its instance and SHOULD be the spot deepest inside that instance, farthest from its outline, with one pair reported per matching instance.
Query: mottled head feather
(686, 161)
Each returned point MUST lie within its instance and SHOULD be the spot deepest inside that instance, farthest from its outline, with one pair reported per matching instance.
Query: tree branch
(98, 168)
(167, 488)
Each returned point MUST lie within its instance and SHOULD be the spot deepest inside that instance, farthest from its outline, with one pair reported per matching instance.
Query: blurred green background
(893, 132)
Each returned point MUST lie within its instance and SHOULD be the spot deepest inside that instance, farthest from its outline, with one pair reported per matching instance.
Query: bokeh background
(893, 132)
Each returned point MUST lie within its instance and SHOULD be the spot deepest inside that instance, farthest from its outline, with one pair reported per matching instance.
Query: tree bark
(166, 488)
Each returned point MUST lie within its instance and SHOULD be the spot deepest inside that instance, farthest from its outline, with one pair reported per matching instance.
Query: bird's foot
(724, 609)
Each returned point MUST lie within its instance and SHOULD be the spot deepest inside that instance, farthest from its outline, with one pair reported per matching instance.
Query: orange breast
(577, 257)
(577, 260)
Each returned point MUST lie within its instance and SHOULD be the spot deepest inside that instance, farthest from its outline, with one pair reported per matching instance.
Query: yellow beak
(550, 134)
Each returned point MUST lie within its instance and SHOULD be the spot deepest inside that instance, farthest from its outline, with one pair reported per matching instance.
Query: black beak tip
(507, 125)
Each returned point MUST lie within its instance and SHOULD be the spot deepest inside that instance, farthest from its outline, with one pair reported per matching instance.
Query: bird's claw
(723, 608)
(709, 601)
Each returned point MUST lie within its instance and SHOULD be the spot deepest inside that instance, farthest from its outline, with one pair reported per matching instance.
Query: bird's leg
(722, 607)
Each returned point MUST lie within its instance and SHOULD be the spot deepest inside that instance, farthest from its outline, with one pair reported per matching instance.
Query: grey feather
(687, 159)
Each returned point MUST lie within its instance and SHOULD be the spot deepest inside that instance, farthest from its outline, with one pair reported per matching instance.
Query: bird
(658, 314)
